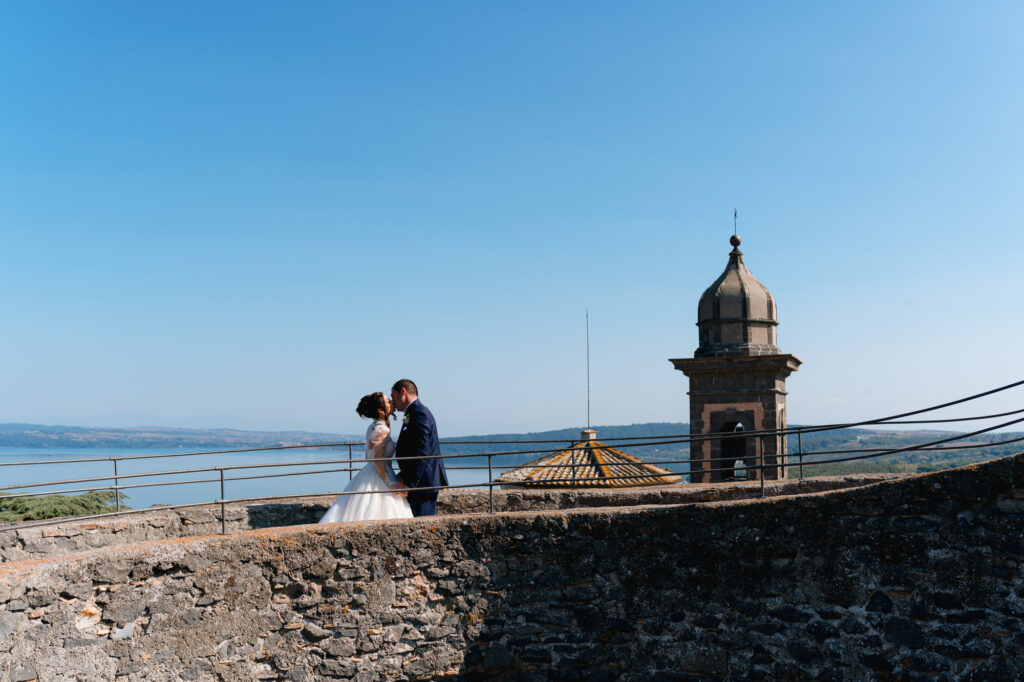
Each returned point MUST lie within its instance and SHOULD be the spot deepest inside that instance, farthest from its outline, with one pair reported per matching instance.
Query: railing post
(223, 528)
(764, 466)
(350, 462)
(490, 485)
(572, 466)
(800, 450)
(117, 491)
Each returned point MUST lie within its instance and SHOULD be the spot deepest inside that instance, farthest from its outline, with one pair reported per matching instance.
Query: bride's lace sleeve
(377, 436)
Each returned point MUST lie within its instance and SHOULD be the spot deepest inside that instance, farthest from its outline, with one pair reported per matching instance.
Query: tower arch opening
(732, 447)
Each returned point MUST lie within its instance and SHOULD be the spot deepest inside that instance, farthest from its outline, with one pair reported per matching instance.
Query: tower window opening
(733, 449)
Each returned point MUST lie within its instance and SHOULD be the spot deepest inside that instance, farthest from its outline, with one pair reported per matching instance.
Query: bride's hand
(400, 489)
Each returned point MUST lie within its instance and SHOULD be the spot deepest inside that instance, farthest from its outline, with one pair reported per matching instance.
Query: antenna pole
(588, 368)
(734, 214)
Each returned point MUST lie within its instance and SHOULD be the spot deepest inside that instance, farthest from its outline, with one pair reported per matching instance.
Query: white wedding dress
(370, 496)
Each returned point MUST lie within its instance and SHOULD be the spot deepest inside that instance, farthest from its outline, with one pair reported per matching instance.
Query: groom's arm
(420, 433)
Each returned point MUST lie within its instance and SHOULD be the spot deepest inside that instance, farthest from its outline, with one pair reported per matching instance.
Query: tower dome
(736, 314)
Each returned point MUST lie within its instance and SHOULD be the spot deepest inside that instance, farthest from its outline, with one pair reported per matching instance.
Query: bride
(375, 492)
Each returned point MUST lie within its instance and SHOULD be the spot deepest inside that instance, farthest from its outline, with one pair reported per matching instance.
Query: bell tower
(737, 380)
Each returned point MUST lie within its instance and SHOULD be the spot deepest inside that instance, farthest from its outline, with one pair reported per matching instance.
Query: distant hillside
(561, 437)
(35, 435)
(847, 441)
(974, 449)
(832, 445)
(630, 431)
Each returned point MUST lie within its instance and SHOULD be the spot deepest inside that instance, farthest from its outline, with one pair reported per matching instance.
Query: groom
(418, 441)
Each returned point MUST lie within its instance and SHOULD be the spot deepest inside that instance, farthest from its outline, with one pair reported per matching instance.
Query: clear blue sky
(250, 214)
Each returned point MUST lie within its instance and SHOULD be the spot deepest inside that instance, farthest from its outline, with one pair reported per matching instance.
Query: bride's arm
(374, 451)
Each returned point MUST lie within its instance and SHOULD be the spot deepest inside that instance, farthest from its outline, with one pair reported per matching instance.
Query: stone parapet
(914, 578)
(57, 538)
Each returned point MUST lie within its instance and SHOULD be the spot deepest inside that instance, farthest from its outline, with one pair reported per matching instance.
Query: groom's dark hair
(407, 384)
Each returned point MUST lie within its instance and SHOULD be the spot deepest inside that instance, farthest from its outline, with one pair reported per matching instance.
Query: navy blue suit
(418, 439)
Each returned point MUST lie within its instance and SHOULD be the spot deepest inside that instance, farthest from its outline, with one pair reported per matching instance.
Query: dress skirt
(367, 498)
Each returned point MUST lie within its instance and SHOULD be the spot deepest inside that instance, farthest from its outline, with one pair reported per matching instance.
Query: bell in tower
(737, 381)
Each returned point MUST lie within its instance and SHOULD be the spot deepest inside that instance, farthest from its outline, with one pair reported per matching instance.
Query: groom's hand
(399, 489)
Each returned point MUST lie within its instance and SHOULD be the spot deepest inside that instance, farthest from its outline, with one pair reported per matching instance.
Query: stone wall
(918, 578)
(56, 538)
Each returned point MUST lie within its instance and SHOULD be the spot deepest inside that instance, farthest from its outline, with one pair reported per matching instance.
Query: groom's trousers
(423, 507)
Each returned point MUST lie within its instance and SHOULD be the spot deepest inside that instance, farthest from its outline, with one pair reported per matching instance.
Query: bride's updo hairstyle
(373, 406)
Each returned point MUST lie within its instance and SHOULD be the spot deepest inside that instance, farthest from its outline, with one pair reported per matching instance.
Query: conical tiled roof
(588, 463)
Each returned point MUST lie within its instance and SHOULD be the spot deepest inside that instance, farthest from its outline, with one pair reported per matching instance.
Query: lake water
(20, 466)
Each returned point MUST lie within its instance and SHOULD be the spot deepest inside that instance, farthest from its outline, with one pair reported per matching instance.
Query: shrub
(52, 506)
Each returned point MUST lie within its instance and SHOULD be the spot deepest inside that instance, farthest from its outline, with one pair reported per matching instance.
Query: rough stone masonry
(918, 578)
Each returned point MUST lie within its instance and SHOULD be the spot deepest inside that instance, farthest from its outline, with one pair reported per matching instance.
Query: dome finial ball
(734, 240)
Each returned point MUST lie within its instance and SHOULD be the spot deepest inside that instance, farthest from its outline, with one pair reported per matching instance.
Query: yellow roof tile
(588, 464)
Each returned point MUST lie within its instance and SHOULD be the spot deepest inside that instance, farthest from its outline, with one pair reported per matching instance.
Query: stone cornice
(782, 365)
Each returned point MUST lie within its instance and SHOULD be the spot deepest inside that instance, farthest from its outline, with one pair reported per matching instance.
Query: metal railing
(756, 468)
